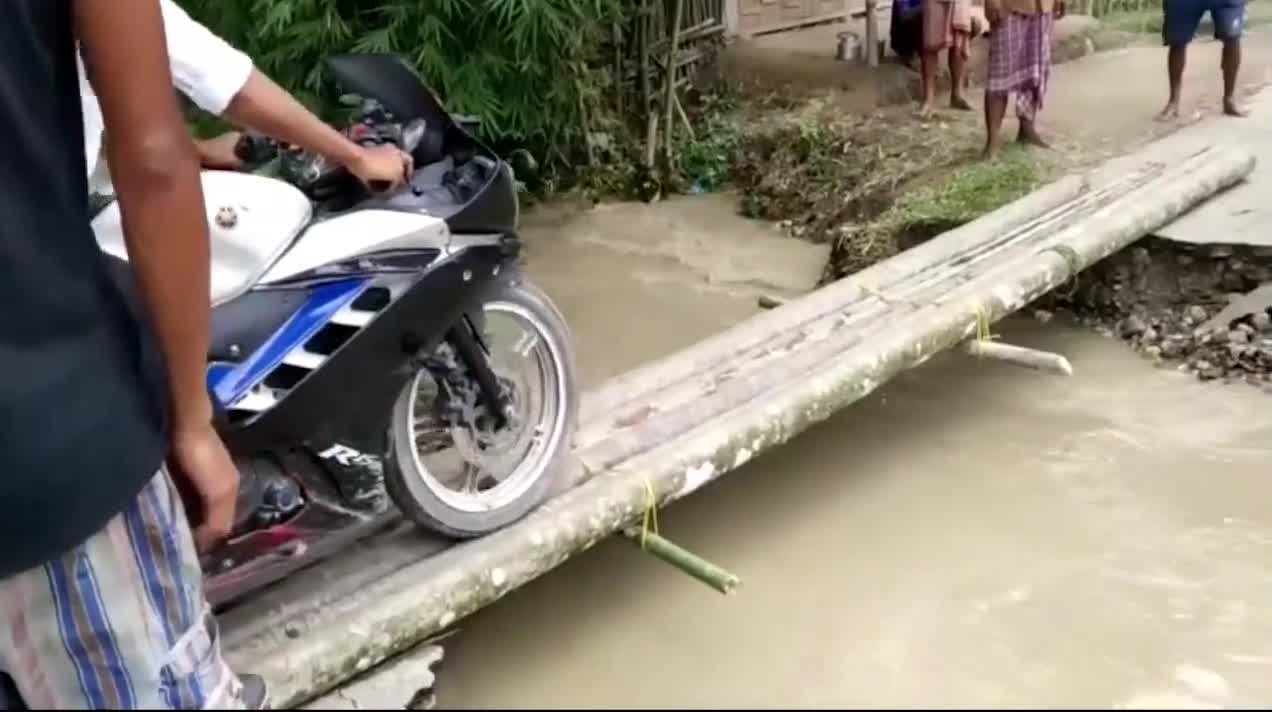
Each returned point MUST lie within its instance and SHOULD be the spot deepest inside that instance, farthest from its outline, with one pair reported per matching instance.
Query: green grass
(971, 191)
(1147, 22)
(936, 204)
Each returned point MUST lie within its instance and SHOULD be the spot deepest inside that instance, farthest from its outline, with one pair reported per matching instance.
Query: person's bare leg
(958, 67)
(1029, 135)
(927, 71)
(1176, 58)
(1027, 105)
(1231, 64)
(995, 110)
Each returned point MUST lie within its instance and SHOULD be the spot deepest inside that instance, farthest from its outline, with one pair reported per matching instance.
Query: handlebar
(314, 174)
(254, 149)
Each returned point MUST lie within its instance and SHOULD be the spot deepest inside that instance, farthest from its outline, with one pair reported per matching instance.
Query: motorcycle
(355, 359)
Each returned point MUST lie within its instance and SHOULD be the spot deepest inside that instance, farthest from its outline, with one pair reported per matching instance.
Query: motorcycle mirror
(413, 133)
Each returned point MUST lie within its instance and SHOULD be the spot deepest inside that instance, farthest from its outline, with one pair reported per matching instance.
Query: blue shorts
(1183, 17)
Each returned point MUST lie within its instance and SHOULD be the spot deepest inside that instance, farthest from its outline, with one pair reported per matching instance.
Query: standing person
(1020, 64)
(905, 31)
(102, 410)
(947, 25)
(1180, 21)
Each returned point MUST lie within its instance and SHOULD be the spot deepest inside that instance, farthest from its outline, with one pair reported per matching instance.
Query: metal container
(849, 49)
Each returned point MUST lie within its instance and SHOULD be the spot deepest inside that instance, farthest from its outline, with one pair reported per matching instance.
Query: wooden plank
(765, 28)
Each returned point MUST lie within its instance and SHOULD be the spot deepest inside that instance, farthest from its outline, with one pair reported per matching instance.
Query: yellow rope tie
(983, 332)
(650, 522)
(1073, 262)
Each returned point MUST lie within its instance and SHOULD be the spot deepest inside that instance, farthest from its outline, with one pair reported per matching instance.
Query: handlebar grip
(253, 148)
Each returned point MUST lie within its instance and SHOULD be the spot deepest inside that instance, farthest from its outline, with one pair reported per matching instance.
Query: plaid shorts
(119, 622)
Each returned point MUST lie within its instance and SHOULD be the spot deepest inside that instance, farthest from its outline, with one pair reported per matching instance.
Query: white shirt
(204, 67)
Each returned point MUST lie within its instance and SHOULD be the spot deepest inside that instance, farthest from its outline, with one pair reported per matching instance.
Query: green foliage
(528, 68)
(940, 201)
(707, 159)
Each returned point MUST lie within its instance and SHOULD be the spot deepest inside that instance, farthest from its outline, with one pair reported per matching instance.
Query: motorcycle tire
(412, 492)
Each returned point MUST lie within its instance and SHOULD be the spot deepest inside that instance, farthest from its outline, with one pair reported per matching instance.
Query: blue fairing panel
(229, 382)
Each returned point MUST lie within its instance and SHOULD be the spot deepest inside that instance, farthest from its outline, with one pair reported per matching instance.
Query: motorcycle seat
(252, 221)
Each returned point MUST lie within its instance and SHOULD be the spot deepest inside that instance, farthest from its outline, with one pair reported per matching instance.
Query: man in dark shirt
(103, 411)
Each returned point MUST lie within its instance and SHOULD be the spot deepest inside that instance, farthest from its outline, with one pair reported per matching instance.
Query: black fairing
(494, 210)
(350, 398)
(244, 324)
(388, 79)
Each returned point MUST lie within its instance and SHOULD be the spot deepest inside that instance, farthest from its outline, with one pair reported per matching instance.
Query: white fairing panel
(358, 233)
(252, 220)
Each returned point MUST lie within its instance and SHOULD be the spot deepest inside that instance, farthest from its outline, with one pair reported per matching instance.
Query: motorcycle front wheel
(451, 467)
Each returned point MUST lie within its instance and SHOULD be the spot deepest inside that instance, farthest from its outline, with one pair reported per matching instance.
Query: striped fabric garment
(1020, 60)
(119, 622)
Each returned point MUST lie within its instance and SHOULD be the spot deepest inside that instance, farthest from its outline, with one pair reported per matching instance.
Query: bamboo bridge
(663, 431)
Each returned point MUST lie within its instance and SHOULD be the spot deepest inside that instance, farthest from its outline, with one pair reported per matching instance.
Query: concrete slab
(404, 683)
(1243, 214)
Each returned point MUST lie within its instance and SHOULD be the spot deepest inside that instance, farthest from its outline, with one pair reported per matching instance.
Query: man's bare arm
(264, 106)
(156, 175)
(268, 108)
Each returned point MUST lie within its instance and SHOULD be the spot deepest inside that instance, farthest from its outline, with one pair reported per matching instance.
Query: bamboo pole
(699, 399)
(651, 139)
(871, 293)
(620, 90)
(306, 651)
(684, 118)
(692, 32)
(872, 33)
(1019, 356)
(646, 84)
(587, 128)
(821, 304)
(669, 77)
(714, 576)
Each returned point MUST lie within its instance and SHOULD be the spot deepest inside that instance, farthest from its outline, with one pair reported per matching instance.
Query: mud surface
(638, 281)
(1206, 309)
(973, 534)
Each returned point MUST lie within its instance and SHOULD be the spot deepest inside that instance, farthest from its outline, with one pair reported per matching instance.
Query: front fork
(466, 338)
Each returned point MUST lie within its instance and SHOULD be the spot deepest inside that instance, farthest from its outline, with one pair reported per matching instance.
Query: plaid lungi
(119, 622)
(1020, 60)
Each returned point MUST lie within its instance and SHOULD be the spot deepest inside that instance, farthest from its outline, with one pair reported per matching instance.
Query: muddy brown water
(971, 534)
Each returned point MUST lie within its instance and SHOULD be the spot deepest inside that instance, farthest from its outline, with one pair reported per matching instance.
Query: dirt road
(1103, 103)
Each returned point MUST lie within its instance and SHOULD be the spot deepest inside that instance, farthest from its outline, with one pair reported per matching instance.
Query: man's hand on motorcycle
(383, 167)
(218, 153)
(204, 468)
